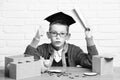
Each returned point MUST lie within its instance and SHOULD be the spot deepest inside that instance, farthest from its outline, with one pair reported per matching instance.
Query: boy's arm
(32, 51)
(35, 42)
(32, 47)
(83, 59)
(90, 43)
(91, 48)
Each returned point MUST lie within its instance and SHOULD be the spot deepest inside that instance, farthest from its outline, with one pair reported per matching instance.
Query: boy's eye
(53, 32)
(62, 33)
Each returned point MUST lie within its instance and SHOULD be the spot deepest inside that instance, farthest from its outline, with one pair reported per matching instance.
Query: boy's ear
(68, 36)
(48, 35)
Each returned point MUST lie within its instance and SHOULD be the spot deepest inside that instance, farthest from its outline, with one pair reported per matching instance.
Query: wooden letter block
(102, 65)
(16, 58)
(21, 70)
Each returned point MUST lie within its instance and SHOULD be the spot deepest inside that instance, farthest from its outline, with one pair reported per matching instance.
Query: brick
(29, 36)
(1, 29)
(101, 13)
(12, 36)
(65, 6)
(16, 14)
(89, 14)
(76, 28)
(12, 21)
(109, 28)
(19, 29)
(25, 14)
(105, 21)
(2, 58)
(68, 1)
(12, 50)
(110, 1)
(108, 13)
(42, 5)
(108, 50)
(109, 43)
(2, 43)
(106, 36)
(22, 1)
(13, 7)
(101, 6)
(88, 2)
(32, 21)
(36, 13)
(111, 6)
(77, 36)
(2, 63)
(17, 43)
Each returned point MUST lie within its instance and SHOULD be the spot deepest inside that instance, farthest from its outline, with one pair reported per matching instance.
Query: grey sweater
(73, 54)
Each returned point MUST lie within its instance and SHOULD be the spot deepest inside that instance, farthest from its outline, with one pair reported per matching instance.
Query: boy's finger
(87, 29)
(37, 34)
(41, 32)
(41, 57)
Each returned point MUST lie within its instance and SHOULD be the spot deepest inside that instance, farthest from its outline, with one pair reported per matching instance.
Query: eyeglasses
(55, 34)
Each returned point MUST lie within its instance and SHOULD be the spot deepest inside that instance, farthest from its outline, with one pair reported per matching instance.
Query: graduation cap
(60, 17)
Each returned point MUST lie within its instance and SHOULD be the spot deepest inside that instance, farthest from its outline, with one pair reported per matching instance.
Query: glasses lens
(53, 34)
(63, 34)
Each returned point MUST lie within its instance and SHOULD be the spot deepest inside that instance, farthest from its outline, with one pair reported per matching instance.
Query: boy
(58, 51)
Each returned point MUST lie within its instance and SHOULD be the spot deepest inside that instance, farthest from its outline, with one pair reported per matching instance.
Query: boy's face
(58, 35)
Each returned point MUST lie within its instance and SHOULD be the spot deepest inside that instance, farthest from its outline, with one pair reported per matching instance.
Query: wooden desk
(74, 71)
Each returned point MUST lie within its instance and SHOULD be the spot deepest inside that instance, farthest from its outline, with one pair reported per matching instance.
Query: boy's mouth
(57, 42)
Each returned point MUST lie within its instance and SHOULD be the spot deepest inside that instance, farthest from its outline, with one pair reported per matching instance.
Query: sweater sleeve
(32, 51)
(84, 59)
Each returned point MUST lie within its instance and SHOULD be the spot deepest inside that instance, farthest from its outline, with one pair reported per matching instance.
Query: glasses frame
(55, 34)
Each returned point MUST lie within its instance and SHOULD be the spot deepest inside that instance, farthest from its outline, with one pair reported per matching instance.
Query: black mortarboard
(60, 16)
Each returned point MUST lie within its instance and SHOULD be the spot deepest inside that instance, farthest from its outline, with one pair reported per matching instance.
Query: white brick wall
(19, 20)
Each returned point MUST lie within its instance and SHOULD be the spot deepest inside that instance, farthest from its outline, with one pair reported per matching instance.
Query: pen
(81, 19)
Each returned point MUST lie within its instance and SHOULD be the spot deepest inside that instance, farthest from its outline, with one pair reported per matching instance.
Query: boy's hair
(59, 22)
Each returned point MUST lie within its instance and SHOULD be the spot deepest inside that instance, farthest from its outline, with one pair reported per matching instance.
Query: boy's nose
(58, 36)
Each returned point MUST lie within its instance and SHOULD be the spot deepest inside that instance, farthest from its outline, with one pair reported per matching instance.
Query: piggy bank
(102, 65)
(16, 58)
(21, 70)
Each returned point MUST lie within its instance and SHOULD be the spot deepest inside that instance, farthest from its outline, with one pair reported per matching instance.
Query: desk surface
(74, 74)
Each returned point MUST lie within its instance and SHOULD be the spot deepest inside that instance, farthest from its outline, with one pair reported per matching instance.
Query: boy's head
(59, 28)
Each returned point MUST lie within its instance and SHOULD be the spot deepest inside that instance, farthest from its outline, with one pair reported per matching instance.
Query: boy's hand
(36, 39)
(45, 64)
(39, 33)
(89, 37)
(88, 33)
